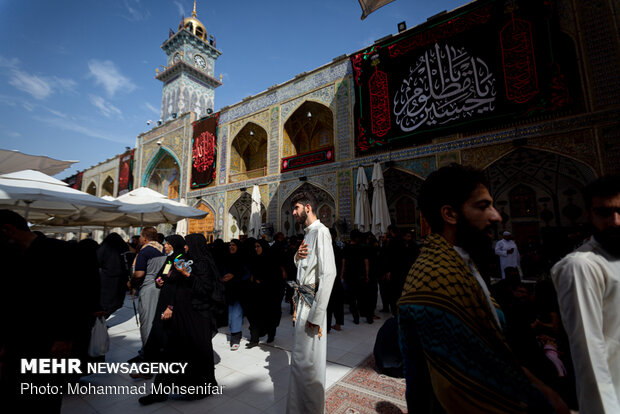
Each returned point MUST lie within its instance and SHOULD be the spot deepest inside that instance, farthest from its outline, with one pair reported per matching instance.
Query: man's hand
(302, 252)
(310, 325)
(227, 277)
(167, 314)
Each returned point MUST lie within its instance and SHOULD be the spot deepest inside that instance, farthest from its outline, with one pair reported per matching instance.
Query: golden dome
(194, 25)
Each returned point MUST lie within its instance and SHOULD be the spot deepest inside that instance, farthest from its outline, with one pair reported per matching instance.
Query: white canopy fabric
(363, 218)
(13, 161)
(38, 196)
(380, 211)
(152, 207)
(255, 217)
(140, 207)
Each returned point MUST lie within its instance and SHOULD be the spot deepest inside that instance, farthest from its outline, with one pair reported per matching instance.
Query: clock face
(200, 61)
(177, 57)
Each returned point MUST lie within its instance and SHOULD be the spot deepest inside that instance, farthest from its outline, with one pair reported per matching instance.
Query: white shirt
(587, 282)
(507, 259)
(309, 354)
(319, 268)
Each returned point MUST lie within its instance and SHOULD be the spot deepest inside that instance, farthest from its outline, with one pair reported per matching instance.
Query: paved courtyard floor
(254, 380)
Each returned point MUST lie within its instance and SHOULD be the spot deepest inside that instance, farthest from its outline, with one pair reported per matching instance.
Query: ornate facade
(540, 117)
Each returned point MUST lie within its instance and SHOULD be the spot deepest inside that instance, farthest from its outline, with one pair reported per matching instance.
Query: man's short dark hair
(149, 233)
(355, 235)
(450, 185)
(605, 187)
(304, 197)
(13, 218)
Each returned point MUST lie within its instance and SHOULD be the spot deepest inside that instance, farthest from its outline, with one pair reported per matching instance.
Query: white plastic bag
(99, 339)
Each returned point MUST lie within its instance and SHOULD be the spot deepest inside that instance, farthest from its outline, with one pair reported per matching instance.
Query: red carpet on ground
(365, 391)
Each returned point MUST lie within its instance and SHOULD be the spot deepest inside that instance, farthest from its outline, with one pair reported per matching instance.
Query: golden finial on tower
(194, 12)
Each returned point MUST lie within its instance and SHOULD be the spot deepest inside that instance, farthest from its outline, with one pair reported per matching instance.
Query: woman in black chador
(198, 296)
(167, 280)
(266, 294)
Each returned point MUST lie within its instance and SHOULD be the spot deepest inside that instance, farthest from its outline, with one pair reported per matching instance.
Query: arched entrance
(108, 187)
(248, 154)
(92, 189)
(204, 226)
(239, 216)
(326, 210)
(309, 128)
(401, 192)
(163, 174)
(538, 195)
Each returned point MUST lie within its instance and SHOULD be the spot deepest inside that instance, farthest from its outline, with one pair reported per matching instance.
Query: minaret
(189, 80)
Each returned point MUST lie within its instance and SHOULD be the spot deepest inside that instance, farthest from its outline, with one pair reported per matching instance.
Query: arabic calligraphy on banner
(204, 152)
(485, 65)
(444, 85)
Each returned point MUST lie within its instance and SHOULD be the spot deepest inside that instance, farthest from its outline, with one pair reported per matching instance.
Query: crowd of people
(473, 335)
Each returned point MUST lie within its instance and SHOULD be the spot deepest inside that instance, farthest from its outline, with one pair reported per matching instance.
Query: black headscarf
(178, 244)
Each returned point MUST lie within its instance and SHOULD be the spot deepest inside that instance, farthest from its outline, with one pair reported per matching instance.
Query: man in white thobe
(508, 253)
(587, 282)
(316, 271)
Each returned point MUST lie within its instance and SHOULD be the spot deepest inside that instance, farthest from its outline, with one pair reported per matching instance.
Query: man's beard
(609, 239)
(476, 242)
(301, 217)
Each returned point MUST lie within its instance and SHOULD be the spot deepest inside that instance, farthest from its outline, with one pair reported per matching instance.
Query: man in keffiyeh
(450, 328)
(147, 264)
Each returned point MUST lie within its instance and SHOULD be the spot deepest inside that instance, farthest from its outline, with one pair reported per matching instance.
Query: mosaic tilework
(274, 139)
(174, 136)
(483, 156)
(211, 201)
(345, 196)
(420, 166)
(601, 51)
(273, 202)
(327, 182)
(558, 127)
(344, 137)
(577, 144)
(261, 118)
(221, 200)
(324, 95)
(287, 188)
(223, 147)
(231, 197)
(611, 149)
(322, 77)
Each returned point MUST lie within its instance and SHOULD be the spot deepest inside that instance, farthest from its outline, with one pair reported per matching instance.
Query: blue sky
(78, 76)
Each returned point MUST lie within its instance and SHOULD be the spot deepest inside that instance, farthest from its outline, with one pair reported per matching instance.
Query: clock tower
(188, 78)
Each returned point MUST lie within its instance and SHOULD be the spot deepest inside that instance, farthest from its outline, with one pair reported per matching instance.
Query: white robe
(587, 282)
(507, 259)
(309, 354)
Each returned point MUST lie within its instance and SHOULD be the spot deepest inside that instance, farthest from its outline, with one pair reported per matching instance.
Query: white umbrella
(152, 207)
(255, 218)
(13, 161)
(362, 205)
(380, 212)
(38, 196)
(139, 207)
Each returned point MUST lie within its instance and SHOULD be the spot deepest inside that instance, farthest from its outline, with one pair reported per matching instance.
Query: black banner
(486, 64)
(125, 173)
(204, 151)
